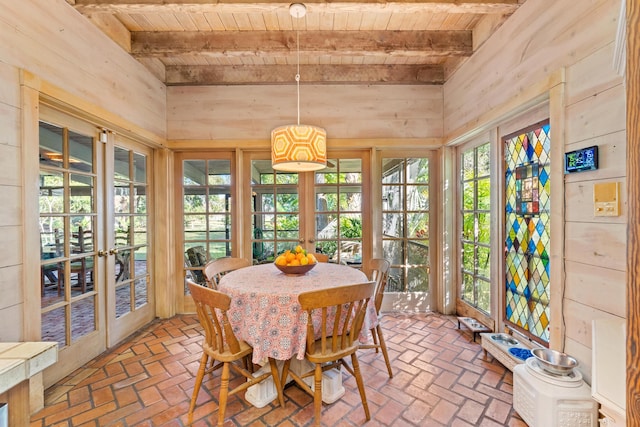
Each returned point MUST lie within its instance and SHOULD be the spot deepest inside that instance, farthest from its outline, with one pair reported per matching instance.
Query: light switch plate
(606, 199)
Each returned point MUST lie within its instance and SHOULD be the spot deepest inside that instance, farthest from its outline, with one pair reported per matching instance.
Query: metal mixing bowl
(504, 339)
(554, 362)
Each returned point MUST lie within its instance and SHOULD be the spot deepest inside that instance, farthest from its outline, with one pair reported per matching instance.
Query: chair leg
(317, 394)
(224, 393)
(276, 381)
(196, 387)
(285, 373)
(383, 347)
(358, 375)
(374, 336)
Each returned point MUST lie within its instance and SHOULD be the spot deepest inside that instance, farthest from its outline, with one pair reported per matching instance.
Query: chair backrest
(379, 274)
(195, 257)
(81, 240)
(217, 268)
(343, 310)
(212, 306)
(320, 257)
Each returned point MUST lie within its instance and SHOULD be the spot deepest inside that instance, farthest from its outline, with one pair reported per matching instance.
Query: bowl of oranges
(295, 262)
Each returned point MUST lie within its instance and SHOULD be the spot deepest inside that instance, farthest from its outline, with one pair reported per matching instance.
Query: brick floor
(441, 378)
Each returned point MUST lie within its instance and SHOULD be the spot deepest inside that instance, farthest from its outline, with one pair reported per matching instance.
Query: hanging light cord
(298, 71)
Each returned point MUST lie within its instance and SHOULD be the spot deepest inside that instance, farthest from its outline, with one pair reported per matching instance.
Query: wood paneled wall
(250, 112)
(11, 244)
(531, 46)
(633, 254)
(537, 40)
(60, 47)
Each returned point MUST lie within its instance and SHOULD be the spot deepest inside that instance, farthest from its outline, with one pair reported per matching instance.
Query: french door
(408, 236)
(131, 302)
(324, 211)
(95, 289)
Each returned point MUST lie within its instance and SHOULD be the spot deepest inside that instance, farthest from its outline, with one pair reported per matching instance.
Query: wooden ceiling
(230, 42)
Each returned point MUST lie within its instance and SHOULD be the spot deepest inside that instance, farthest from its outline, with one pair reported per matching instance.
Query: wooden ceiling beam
(335, 43)
(310, 74)
(313, 6)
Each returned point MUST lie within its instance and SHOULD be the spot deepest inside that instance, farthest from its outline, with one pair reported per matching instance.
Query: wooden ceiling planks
(350, 42)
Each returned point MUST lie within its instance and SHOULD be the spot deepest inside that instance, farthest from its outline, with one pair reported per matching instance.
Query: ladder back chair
(217, 268)
(320, 257)
(379, 273)
(221, 345)
(342, 311)
(81, 246)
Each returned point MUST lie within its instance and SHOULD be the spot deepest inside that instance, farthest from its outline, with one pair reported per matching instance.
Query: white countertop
(20, 361)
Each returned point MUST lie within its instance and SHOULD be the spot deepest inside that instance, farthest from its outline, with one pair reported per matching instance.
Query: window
(405, 223)
(68, 217)
(475, 233)
(338, 211)
(206, 204)
(527, 222)
(275, 211)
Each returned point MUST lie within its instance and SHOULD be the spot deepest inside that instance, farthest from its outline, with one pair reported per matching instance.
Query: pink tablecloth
(265, 311)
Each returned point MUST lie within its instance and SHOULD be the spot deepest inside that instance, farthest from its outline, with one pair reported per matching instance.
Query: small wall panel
(582, 353)
(579, 205)
(10, 162)
(594, 69)
(578, 320)
(603, 245)
(12, 294)
(600, 288)
(596, 115)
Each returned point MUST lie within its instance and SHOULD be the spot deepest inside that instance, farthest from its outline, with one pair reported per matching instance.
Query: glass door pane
(206, 213)
(68, 224)
(130, 287)
(338, 211)
(130, 231)
(275, 211)
(406, 237)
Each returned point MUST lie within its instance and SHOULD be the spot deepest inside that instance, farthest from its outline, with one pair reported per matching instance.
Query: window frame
(460, 213)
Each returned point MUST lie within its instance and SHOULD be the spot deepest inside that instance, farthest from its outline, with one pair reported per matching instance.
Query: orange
(289, 257)
(295, 262)
(311, 258)
(281, 260)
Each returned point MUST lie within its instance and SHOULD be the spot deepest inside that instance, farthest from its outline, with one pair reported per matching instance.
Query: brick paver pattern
(441, 378)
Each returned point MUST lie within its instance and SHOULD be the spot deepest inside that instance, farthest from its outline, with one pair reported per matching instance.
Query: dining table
(265, 313)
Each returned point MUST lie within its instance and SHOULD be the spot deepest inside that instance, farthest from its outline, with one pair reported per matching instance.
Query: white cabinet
(608, 373)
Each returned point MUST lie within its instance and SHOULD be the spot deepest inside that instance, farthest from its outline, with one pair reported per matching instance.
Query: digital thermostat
(585, 159)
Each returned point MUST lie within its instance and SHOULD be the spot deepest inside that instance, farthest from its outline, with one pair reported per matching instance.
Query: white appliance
(546, 400)
(609, 356)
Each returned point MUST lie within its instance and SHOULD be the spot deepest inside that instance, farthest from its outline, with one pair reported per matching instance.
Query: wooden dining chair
(221, 345)
(217, 268)
(320, 257)
(81, 242)
(379, 274)
(342, 311)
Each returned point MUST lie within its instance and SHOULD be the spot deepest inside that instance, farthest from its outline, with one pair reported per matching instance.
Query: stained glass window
(527, 219)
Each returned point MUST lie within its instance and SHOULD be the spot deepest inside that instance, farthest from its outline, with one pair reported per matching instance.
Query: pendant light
(298, 148)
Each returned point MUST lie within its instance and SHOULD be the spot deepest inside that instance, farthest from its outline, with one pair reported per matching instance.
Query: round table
(265, 311)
